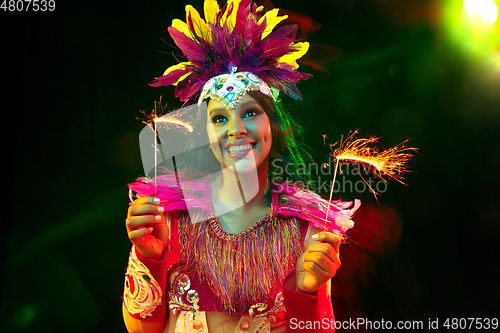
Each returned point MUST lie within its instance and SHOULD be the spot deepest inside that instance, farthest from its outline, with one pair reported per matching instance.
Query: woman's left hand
(319, 263)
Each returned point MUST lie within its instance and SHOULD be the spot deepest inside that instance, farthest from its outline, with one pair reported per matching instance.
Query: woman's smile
(239, 134)
(239, 148)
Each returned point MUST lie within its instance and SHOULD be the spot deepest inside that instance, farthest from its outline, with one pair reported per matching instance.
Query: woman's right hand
(147, 227)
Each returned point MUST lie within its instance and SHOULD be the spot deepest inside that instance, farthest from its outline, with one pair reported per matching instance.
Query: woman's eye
(218, 119)
(250, 113)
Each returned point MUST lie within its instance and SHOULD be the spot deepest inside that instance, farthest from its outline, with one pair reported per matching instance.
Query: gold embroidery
(142, 294)
(256, 309)
(180, 290)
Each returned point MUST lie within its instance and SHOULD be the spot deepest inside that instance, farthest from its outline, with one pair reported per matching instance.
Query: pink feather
(288, 199)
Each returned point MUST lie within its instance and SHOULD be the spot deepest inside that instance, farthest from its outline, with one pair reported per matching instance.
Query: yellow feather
(200, 27)
(224, 15)
(231, 20)
(181, 78)
(272, 20)
(291, 57)
(180, 65)
(211, 8)
(182, 27)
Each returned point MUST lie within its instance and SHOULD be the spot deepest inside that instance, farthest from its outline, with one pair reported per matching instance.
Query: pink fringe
(288, 200)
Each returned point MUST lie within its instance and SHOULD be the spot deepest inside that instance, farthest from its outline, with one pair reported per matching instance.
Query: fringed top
(242, 271)
(237, 273)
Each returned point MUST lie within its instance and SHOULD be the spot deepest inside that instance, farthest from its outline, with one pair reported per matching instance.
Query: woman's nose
(236, 128)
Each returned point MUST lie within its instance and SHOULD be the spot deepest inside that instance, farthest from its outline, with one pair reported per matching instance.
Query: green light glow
(485, 9)
(24, 315)
(473, 25)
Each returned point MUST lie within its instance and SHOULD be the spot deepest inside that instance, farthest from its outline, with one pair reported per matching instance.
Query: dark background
(75, 79)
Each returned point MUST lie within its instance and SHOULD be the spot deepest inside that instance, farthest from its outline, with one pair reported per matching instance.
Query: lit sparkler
(159, 116)
(386, 164)
(389, 163)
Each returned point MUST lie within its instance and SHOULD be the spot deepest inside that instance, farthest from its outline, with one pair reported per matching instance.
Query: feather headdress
(240, 35)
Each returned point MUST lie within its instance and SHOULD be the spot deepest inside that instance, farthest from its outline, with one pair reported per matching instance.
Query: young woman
(251, 255)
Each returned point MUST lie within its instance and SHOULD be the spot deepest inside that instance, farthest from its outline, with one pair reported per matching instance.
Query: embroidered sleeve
(142, 293)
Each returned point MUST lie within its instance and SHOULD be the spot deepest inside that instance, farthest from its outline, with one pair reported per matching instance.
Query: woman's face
(241, 135)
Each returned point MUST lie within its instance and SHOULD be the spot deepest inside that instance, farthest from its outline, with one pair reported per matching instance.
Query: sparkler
(158, 116)
(389, 163)
(386, 164)
(165, 117)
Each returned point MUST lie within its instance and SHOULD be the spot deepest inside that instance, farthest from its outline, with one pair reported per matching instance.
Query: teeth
(238, 149)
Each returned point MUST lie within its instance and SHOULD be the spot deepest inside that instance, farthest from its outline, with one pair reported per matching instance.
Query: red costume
(199, 273)
(230, 53)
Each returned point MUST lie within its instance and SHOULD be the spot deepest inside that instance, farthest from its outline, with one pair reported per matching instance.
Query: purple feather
(171, 78)
(285, 32)
(243, 48)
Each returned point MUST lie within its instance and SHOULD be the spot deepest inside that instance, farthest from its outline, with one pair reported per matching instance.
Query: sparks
(160, 115)
(324, 138)
(391, 163)
(159, 119)
(387, 164)
(173, 120)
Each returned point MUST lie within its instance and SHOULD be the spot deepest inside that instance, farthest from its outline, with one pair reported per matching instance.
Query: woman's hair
(288, 151)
